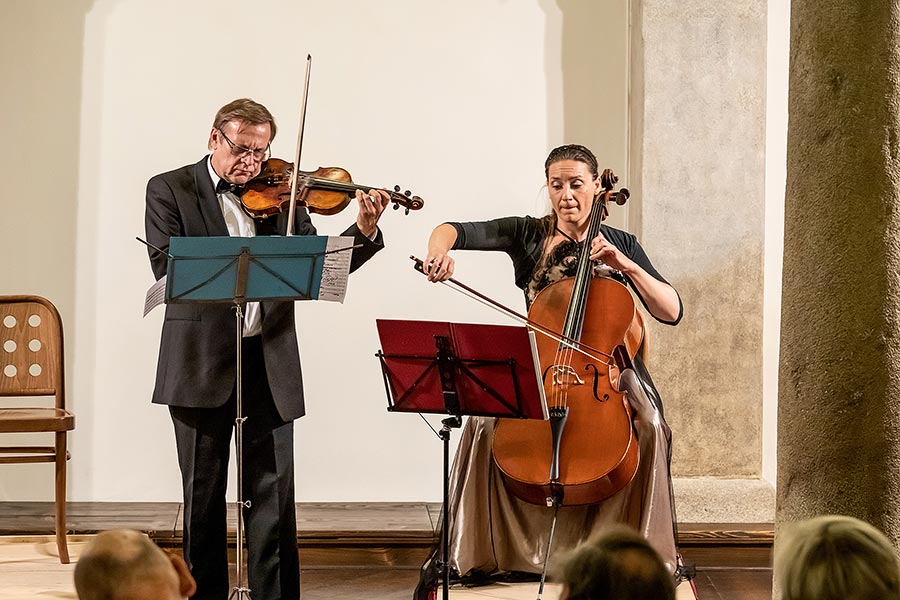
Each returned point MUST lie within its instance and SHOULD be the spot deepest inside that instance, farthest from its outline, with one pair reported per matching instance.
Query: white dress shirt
(239, 224)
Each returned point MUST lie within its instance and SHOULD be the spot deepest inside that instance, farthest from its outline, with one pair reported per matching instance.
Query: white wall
(459, 102)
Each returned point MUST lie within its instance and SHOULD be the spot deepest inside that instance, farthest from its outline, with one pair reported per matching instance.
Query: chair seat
(22, 420)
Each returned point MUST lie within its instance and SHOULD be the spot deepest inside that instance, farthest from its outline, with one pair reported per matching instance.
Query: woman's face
(572, 189)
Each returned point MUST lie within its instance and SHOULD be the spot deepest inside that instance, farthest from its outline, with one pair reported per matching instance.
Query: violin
(325, 191)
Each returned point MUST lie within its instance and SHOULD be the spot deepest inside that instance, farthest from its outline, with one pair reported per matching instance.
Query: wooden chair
(31, 364)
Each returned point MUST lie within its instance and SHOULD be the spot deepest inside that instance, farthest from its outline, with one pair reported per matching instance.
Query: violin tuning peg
(407, 193)
(396, 206)
(407, 210)
(396, 188)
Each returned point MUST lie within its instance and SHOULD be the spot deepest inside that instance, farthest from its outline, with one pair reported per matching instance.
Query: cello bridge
(565, 375)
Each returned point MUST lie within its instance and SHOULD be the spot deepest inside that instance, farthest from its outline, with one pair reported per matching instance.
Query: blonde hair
(836, 558)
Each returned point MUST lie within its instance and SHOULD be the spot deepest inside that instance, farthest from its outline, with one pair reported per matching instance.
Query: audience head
(126, 565)
(617, 564)
(836, 558)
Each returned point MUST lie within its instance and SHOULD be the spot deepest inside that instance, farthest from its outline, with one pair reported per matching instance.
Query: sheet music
(156, 295)
(336, 269)
(532, 338)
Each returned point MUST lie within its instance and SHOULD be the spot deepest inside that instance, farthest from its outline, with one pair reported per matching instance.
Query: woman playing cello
(492, 531)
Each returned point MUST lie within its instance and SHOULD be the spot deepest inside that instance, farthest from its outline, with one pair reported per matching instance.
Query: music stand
(238, 270)
(459, 369)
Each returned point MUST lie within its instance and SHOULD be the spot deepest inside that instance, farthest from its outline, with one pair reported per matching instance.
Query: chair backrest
(31, 348)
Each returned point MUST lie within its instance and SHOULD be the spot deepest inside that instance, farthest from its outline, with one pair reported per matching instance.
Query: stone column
(839, 402)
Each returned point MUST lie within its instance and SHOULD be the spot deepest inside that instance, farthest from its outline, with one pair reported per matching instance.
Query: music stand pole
(239, 592)
(448, 424)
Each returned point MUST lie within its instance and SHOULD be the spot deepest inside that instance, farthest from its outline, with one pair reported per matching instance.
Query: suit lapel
(208, 202)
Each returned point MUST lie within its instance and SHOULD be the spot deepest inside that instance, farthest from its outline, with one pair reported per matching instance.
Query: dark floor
(734, 584)
(399, 583)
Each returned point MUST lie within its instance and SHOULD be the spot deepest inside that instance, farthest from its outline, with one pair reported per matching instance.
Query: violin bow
(293, 207)
(572, 344)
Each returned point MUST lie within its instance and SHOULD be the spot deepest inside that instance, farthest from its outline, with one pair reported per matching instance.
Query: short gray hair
(248, 111)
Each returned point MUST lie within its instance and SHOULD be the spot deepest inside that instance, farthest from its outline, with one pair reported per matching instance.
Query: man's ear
(186, 584)
(209, 142)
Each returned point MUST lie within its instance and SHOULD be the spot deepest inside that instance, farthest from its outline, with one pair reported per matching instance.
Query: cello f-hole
(597, 374)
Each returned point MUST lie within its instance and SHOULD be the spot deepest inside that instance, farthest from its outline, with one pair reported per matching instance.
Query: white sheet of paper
(336, 269)
(156, 295)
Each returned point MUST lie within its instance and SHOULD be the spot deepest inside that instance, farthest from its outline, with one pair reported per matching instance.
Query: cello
(589, 449)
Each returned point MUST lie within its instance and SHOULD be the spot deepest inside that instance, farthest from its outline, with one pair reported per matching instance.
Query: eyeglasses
(242, 151)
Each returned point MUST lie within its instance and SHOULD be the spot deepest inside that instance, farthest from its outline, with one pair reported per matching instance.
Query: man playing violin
(196, 369)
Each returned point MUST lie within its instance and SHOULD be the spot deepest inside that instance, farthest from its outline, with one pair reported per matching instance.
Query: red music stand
(460, 369)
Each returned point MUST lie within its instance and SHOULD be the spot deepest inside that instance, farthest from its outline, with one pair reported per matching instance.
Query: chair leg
(61, 541)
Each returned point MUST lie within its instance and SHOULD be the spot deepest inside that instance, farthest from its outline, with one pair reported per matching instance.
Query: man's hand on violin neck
(371, 207)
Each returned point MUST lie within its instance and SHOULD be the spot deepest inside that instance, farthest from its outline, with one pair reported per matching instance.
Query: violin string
(337, 186)
(332, 185)
(349, 186)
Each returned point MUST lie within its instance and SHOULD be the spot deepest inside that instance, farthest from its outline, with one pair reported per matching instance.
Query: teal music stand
(226, 269)
(238, 270)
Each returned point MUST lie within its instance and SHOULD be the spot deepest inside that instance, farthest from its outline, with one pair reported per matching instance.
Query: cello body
(597, 452)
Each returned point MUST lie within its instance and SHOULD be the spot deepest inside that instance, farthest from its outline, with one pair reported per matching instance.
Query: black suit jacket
(196, 365)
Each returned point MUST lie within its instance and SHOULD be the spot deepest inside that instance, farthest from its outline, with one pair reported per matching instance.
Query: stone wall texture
(702, 114)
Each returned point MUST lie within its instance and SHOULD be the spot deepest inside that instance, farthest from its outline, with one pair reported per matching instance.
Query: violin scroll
(406, 199)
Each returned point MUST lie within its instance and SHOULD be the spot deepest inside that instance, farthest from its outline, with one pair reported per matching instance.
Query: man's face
(238, 149)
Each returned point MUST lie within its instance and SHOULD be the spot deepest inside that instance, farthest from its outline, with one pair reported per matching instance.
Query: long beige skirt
(492, 531)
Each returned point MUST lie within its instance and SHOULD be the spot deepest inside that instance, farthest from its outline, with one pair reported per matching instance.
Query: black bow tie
(226, 186)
